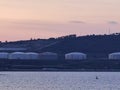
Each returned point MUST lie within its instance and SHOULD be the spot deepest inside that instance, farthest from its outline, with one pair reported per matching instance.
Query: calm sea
(59, 81)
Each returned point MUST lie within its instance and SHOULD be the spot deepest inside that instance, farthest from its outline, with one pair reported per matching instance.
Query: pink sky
(23, 19)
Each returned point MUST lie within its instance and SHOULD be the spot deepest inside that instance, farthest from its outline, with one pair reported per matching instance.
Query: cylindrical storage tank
(48, 56)
(32, 56)
(4, 55)
(75, 56)
(18, 56)
(114, 55)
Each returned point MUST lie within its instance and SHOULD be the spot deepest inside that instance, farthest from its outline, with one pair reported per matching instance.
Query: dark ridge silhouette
(96, 46)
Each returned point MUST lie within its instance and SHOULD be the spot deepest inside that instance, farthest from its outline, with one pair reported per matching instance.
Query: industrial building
(48, 56)
(18, 56)
(115, 55)
(75, 56)
(32, 56)
(4, 55)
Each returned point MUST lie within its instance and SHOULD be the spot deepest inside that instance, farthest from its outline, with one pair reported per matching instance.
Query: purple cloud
(78, 22)
(113, 22)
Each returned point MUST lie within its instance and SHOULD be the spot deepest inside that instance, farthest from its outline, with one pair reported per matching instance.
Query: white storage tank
(18, 56)
(32, 56)
(75, 56)
(115, 55)
(48, 56)
(4, 55)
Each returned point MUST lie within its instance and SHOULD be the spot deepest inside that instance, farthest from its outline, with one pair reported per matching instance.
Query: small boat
(97, 77)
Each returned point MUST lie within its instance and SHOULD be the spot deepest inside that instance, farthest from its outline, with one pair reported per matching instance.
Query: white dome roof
(4, 55)
(48, 56)
(48, 53)
(115, 55)
(18, 55)
(32, 53)
(76, 53)
(118, 53)
(75, 56)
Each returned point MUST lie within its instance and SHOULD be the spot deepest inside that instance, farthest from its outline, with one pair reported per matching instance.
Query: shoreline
(61, 65)
(59, 70)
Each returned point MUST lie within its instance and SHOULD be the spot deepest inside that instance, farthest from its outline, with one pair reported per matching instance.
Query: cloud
(77, 22)
(113, 22)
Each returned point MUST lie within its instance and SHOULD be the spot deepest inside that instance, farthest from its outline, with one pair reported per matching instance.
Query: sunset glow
(25, 19)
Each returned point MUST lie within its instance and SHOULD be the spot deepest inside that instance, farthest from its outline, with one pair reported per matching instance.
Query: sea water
(59, 81)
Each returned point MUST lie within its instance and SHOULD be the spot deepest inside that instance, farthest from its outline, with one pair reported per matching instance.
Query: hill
(96, 46)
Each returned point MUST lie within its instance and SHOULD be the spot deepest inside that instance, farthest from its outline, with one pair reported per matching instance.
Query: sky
(25, 19)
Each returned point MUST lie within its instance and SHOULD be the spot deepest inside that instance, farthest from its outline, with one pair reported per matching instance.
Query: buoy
(97, 77)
